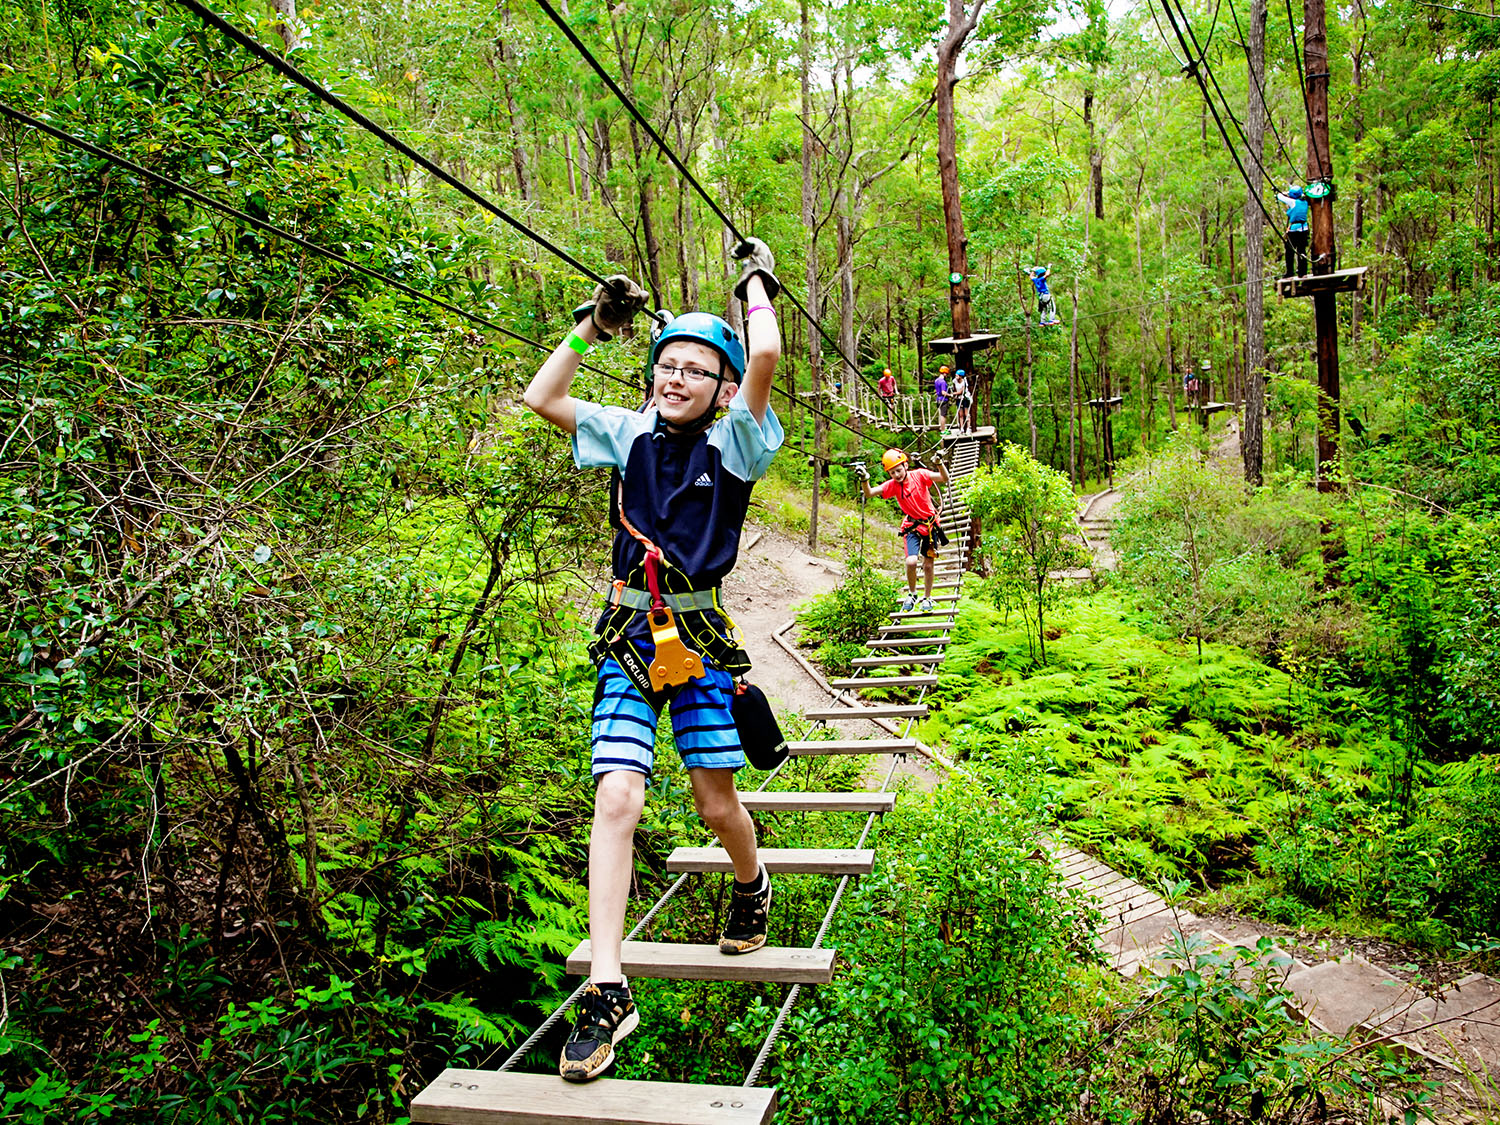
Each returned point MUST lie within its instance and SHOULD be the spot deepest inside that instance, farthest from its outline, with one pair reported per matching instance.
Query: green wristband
(577, 343)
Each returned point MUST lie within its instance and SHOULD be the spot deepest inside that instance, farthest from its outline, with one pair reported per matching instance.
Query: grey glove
(860, 470)
(613, 305)
(756, 258)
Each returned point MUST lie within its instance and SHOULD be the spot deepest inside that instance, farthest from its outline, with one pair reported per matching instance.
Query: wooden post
(1320, 222)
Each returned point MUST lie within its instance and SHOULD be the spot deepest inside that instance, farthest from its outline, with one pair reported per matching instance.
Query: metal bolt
(473, 1087)
(717, 1105)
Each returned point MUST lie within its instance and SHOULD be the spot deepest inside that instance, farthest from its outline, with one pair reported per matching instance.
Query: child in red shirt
(912, 490)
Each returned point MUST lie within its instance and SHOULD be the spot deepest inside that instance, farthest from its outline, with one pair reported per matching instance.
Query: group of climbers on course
(680, 489)
(911, 488)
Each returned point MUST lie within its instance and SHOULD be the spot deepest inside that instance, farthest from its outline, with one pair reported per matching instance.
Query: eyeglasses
(689, 374)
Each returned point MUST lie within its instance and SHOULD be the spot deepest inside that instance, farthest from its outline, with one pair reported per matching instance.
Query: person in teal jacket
(1295, 202)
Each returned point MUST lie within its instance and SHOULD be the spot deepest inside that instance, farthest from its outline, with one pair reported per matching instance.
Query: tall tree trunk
(508, 67)
(288, 26)
(1252, 432)
(960, 25)
(1166, 304)
(814, 309)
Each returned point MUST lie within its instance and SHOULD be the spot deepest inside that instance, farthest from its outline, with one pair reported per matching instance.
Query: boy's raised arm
(758, 287)
(611, 309)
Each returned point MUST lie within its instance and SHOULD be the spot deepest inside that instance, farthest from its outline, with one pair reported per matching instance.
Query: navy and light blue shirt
(689, 494)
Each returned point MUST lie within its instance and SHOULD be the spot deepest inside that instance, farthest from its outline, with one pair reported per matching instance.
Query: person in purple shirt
(940, 392)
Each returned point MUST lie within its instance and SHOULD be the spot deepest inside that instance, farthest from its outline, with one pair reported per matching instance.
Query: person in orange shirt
(911, 488)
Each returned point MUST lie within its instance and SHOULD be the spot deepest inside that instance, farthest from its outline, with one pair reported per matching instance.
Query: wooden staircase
(506, 1097)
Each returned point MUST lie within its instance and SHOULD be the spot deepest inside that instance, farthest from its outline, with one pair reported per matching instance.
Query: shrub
(854, 609)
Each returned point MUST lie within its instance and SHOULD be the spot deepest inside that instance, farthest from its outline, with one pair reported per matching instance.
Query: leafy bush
(853, 610)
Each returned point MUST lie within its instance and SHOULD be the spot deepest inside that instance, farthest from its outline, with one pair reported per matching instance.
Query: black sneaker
(748, 918)
(605, 1016)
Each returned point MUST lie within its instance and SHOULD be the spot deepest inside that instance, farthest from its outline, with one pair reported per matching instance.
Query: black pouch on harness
(760, 733)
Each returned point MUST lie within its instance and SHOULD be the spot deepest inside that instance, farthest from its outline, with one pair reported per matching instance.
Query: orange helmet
(891, 459)
(887, 371)
(943, 370)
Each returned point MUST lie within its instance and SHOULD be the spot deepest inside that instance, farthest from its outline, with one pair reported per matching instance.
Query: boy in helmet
(1294, 199)
(1046, 307)
(912, 490)
(887, 387)
(680, 489)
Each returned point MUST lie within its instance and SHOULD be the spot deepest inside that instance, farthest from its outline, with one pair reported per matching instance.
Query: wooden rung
(794, 801)
(897, 661)
(873, 711)
(494, 1097)
(941, 626)
(791, 861)
(851, 746)
(947, 615)
(885, 681)
(673, 961)
(908, 642)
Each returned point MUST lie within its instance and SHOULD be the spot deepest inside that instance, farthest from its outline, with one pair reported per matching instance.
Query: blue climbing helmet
(960, 374)
(704, 328)
(1037, 271)
(1294, 190)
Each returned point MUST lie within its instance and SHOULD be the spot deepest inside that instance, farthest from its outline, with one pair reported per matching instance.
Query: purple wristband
(753, 309)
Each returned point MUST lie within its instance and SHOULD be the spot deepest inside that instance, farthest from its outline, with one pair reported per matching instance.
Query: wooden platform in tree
(790, 861)
(791, 801)
(491, 1097)
(1339, 281)
(674, 961)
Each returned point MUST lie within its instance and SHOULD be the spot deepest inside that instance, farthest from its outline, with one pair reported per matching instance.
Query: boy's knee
(716, 808)
(913, 560)
(620, 796)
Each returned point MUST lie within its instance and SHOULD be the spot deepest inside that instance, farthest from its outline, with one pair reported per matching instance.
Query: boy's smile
(680, 400)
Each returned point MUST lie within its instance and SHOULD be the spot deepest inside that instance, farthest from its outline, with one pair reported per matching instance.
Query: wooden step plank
(907, 642)
(946, 615)
(909, 628)
(673, 961)
(790, 861)
(871, 711)
(851, 746)
(885, 681)
(897, 661)
(796, 801)
(493, 1097)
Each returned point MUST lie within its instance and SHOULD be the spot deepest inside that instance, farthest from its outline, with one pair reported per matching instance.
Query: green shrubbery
(840, 621)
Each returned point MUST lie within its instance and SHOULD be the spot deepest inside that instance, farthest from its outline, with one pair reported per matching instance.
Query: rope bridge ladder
(911, 640)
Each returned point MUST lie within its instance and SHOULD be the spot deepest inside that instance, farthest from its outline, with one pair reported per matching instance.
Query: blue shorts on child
(624, 731)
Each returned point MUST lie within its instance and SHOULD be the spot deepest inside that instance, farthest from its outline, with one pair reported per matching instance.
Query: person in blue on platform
(1046, 307)
(1295, 202)
(680, 488)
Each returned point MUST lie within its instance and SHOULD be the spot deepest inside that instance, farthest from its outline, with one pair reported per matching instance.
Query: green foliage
(840, 621)
(959, 975)
(1031, 511)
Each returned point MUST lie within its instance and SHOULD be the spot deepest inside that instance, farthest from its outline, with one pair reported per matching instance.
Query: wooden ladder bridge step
(660, 960)
(850, 746)
(872, 711)
(790, 801)
(790, 861)
(896, 661)
(907, 642)
(908, 627)
(493, 1097)
(886, 681)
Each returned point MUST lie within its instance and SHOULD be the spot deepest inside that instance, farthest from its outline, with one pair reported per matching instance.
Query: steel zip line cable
(332, 255)
(1238, 128)
(278, 232)
(1213, 109)
(323, 94)
(634, 111)
(1260, 90)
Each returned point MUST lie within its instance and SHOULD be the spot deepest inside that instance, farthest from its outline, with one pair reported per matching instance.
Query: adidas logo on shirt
(703, 482)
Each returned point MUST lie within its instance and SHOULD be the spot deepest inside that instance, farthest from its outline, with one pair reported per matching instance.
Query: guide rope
(278, 232)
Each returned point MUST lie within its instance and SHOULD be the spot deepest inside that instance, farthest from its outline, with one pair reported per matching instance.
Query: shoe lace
(596, 1012)
(746, 908)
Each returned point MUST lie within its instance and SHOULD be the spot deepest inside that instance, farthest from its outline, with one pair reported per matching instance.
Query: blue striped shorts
(624, 730)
